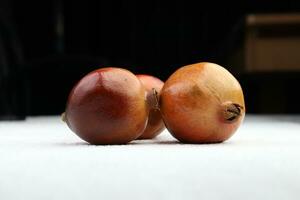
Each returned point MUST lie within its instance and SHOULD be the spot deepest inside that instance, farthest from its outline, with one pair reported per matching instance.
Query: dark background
(47, 46)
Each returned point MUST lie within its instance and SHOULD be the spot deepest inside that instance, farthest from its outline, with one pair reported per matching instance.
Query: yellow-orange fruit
(202, 103)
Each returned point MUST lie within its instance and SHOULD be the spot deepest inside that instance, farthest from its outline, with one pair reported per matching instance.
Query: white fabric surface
(40, 158)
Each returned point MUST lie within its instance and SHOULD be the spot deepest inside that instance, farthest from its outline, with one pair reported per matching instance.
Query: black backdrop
(52, 43)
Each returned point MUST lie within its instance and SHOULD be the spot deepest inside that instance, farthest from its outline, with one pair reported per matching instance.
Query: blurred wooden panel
(273, 19)
(273, 42)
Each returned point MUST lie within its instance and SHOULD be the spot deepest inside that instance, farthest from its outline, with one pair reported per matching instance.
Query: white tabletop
(40, 158)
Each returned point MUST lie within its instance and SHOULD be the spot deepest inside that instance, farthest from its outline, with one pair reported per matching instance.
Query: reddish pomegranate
(107, 106)
(155, 123)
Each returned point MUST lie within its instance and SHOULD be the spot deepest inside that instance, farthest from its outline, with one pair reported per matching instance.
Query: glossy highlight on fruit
(202, 103)
(155, 123)
(107, 106)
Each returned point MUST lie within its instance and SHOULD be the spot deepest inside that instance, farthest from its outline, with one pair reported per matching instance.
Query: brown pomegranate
(107, 106)
(202, 103)
(155, 123)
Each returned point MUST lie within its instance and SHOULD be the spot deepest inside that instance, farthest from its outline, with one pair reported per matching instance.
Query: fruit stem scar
(63, 117)
(232, 111)
(155, 94)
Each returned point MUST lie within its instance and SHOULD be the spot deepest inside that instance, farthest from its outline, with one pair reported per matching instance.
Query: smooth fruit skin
(107, 106)
(194, 103)
(155, 123)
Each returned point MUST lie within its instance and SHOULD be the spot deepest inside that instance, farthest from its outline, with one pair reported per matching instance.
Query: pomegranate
(202, 103)
(107, 106)
(155, 123)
